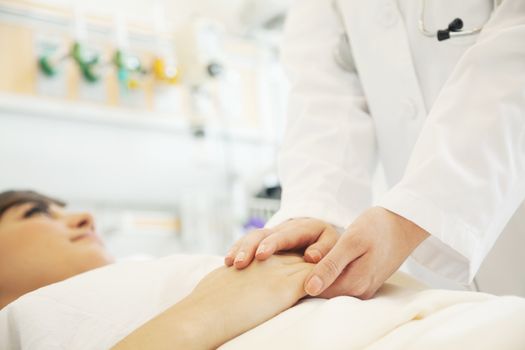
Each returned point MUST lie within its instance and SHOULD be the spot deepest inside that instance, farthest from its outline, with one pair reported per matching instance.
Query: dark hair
(9, 199)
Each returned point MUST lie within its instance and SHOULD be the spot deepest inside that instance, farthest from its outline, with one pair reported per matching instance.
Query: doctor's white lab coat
(446, 119)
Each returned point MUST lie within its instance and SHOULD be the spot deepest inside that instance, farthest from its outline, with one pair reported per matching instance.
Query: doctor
(370, 81)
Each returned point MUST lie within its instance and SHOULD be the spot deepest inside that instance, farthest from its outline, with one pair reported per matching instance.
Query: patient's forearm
(225, 304)
(190, 324)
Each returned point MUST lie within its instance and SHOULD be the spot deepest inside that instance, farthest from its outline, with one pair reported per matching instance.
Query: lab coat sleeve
(329, 149)
(466, 175)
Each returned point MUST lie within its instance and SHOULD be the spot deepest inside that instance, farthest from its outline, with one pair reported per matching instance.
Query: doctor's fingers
(243, 251)
(326, 241)
(294, 234)
(347, 249)
(356, 280)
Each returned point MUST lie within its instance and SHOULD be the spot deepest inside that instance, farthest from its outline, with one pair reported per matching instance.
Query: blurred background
(161, 117)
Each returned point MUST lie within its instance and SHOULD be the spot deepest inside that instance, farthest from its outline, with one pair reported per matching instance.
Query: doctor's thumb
(322, 276)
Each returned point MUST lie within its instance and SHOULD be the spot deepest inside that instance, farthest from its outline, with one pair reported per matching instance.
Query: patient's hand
(249, 297)
(226, 303)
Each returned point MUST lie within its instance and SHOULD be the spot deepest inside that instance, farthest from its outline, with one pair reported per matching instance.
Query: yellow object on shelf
(133, 84)
(164, 72)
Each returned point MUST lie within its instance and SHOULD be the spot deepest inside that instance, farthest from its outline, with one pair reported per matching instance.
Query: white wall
(118, 164)
(234, 14)
(97, 160)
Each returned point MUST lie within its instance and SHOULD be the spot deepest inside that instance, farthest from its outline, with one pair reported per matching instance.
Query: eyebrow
(11, 199)
(32, 202)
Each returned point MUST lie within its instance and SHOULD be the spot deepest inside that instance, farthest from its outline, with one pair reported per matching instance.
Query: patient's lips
(89, 235)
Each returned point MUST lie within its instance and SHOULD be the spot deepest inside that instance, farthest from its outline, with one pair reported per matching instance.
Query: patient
(176, 303)
(41, 244)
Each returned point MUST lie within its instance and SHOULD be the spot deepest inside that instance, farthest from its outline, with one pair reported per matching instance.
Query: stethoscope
(454, 29)
(343, 51)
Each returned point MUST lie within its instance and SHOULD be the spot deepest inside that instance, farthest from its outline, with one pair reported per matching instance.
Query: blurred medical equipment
(264, 204)
(454, 29)
(90, 63)
(138, 141)
(165, 70)
(86, 59)
(203, 54)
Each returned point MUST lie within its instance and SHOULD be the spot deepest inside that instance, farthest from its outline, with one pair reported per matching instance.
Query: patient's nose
(81, 220)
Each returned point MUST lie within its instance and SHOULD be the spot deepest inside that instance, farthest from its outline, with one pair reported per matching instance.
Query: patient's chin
(92, 257)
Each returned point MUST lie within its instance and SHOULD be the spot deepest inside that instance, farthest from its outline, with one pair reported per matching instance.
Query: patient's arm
(225, 304)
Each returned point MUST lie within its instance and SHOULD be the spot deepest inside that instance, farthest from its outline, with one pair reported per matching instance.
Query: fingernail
(315, 255)
(314, 286)
(240, 257)
(262, 248)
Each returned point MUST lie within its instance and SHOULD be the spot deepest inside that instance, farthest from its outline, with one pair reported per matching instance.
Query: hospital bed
(84, 313)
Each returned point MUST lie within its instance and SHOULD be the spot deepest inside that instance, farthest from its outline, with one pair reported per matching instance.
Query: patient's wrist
(189, 324)
(204, 323)
(197, 323)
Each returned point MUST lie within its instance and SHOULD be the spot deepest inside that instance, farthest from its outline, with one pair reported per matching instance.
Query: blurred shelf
(38, 13)
(33, 106)
(119, 117)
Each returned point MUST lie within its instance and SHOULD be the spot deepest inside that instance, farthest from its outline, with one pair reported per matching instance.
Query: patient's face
(41, 244)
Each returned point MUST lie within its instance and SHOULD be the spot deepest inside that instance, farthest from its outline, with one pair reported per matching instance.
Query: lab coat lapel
(383, 59)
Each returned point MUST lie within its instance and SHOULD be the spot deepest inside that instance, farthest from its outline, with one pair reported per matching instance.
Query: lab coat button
(409, 109)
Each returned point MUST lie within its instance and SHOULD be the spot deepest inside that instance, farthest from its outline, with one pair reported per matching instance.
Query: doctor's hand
(373, 247)
(315, 236)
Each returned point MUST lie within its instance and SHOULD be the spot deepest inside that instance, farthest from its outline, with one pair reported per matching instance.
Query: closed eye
(37, 209)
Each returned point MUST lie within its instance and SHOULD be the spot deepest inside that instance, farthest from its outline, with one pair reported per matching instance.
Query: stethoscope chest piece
(454, 29)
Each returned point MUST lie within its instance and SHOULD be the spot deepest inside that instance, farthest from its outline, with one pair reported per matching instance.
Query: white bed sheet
(96, 309)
